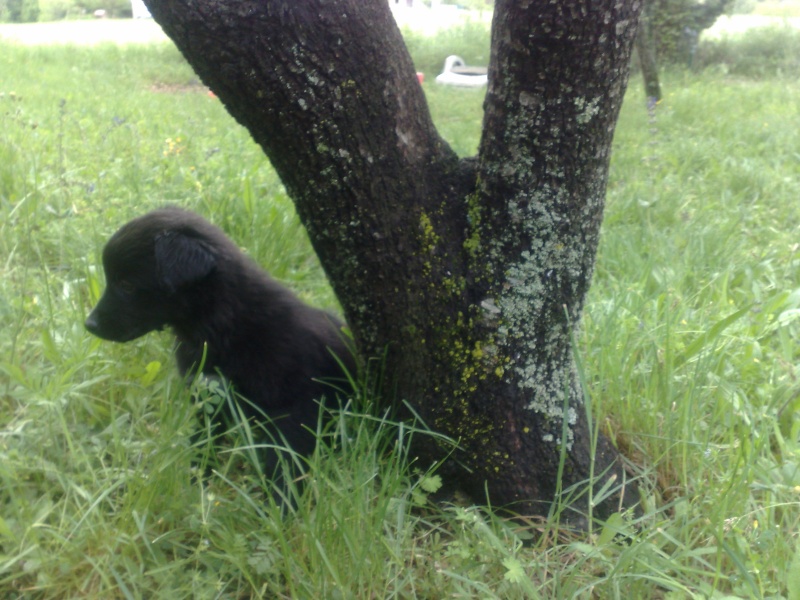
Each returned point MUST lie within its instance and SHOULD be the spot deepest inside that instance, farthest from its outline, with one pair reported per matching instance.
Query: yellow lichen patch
(473, 242)
(430, 239)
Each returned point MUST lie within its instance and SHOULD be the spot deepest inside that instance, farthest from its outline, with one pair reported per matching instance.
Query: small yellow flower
(173, 146)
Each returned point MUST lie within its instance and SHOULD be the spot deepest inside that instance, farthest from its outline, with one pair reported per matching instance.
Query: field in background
(125, 31)
(690, 353)
(421, 20)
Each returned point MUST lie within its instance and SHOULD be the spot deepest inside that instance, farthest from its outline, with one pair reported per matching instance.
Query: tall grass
(693, 314)
(689, 353)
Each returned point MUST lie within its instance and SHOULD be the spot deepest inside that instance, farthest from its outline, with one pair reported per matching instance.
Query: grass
(697, 294)
(690, 354)
(761, 52)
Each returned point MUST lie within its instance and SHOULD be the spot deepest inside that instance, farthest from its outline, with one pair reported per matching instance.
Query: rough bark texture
(471, 272)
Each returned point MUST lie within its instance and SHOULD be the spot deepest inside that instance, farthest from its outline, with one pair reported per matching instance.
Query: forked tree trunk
(472, 272)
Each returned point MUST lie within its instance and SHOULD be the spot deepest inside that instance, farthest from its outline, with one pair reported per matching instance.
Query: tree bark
(470, 273)
(645, 52)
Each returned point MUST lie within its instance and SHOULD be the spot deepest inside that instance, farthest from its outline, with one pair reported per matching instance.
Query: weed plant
(689, 355)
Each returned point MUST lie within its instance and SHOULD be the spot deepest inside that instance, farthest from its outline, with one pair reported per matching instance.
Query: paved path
(121, 31)
(740, 23)
(144, 31)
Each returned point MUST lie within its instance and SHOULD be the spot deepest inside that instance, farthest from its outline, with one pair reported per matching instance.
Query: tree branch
(352, 139)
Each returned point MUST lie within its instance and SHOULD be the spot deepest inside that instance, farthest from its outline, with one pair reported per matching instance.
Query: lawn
(690, 354)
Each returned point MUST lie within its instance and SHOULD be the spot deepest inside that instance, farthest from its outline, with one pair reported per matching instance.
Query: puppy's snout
(92, 324)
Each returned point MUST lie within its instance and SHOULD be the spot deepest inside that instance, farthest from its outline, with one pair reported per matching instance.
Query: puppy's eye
(126, 286)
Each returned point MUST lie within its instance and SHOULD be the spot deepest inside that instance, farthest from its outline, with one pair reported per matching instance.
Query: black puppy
(172, 267)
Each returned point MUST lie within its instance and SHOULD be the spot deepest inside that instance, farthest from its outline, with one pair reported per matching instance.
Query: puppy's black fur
(173, 268)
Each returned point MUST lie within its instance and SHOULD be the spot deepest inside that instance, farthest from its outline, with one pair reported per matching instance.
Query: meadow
(689, 352)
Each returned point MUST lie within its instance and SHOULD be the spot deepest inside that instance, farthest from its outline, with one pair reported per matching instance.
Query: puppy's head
(151, 265)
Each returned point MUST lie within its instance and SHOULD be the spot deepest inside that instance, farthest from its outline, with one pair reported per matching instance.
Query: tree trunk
(676, 26)
(471, 272)
(645, 52)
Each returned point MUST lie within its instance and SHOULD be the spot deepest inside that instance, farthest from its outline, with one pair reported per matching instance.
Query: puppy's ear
(182, 259)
